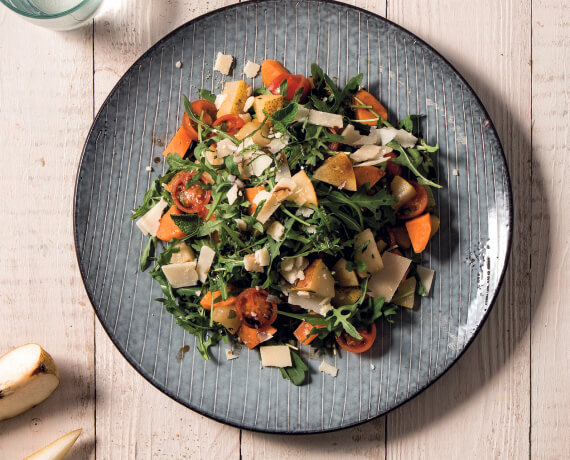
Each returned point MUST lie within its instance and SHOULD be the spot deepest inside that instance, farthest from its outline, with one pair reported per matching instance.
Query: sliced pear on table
(28, 375)
(57, 449)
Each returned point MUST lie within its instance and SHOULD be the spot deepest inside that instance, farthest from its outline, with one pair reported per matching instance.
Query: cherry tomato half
(417, 205)
(192, 199)
(349, 343)
(207, 107)
(229, 123)
(202, 108)
(254, 309)
(294, 83)
(392, 169)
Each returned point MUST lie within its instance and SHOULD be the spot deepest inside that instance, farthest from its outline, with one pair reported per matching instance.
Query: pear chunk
(337, 170)
(342, 276)
(57, 449)
(366, 250)
(28, 375)
(236, 93)
(318, 280)
(304, 194)
(270, 103)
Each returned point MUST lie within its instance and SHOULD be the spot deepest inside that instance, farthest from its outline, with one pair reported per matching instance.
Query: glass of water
(55, 14)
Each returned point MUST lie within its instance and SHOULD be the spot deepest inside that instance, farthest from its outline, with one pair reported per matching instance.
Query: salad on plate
(290, 215)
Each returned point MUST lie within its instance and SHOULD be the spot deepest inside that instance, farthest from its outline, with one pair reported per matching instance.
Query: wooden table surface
(507, 397)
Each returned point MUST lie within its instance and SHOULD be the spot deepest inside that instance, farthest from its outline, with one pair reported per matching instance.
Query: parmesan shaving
(205, 260)
(328, 369)
(220, 100)
(251, 69)
(426, 277)
(223, 63)
(230, 355)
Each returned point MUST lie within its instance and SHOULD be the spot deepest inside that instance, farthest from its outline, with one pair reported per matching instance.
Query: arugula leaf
(373, 202)
(298, 372)
(336, 198)
(150, 198)
(261, 90)
(205, 130)
(175, 163)
(404, 160)
(342, 315)
(371, 310)
(283, 88)
(190, 224)
(390, 311)
(205, 94)
(411, 123)
(231, 166)
(426, 147)
(357, 265)
(285, 115)
(348, 91)
(318, 77)
(420, 289)
(148, 253)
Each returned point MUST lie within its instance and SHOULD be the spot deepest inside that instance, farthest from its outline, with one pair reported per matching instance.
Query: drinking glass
(55, 14)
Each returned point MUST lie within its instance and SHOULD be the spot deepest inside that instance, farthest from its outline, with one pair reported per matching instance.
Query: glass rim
(46, 16)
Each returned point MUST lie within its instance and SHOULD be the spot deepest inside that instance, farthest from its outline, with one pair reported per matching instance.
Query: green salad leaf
(299, 231)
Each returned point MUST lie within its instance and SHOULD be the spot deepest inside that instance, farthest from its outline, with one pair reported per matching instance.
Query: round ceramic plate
(469, 253)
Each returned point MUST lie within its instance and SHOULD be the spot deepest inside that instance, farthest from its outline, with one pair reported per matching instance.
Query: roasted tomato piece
(294, 83)
(349, 343)
(254, 308)
(191, 199)
(205, 110)
(229, 123)
(417, 205)
(392, 169)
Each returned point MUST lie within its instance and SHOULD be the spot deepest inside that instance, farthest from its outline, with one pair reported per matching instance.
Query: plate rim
(509, 208)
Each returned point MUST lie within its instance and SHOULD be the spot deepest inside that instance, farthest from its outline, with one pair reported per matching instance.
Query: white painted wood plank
(135, 420)
(550, 340)
(362, 442)
(481, 407)
(45, 113)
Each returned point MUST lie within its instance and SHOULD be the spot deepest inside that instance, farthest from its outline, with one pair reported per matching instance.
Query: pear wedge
(28, 375)
(57, 449)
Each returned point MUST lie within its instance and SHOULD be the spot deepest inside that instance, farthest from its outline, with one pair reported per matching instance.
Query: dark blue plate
(469, 253)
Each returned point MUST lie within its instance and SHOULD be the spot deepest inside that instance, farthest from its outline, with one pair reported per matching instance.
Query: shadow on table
(73, 396)
(83, 448)
(505, 332)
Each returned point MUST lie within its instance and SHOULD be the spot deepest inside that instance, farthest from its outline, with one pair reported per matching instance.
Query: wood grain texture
(134, 419)
(364, 441)
(43, 127)
(481, 407)
(550, 230)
